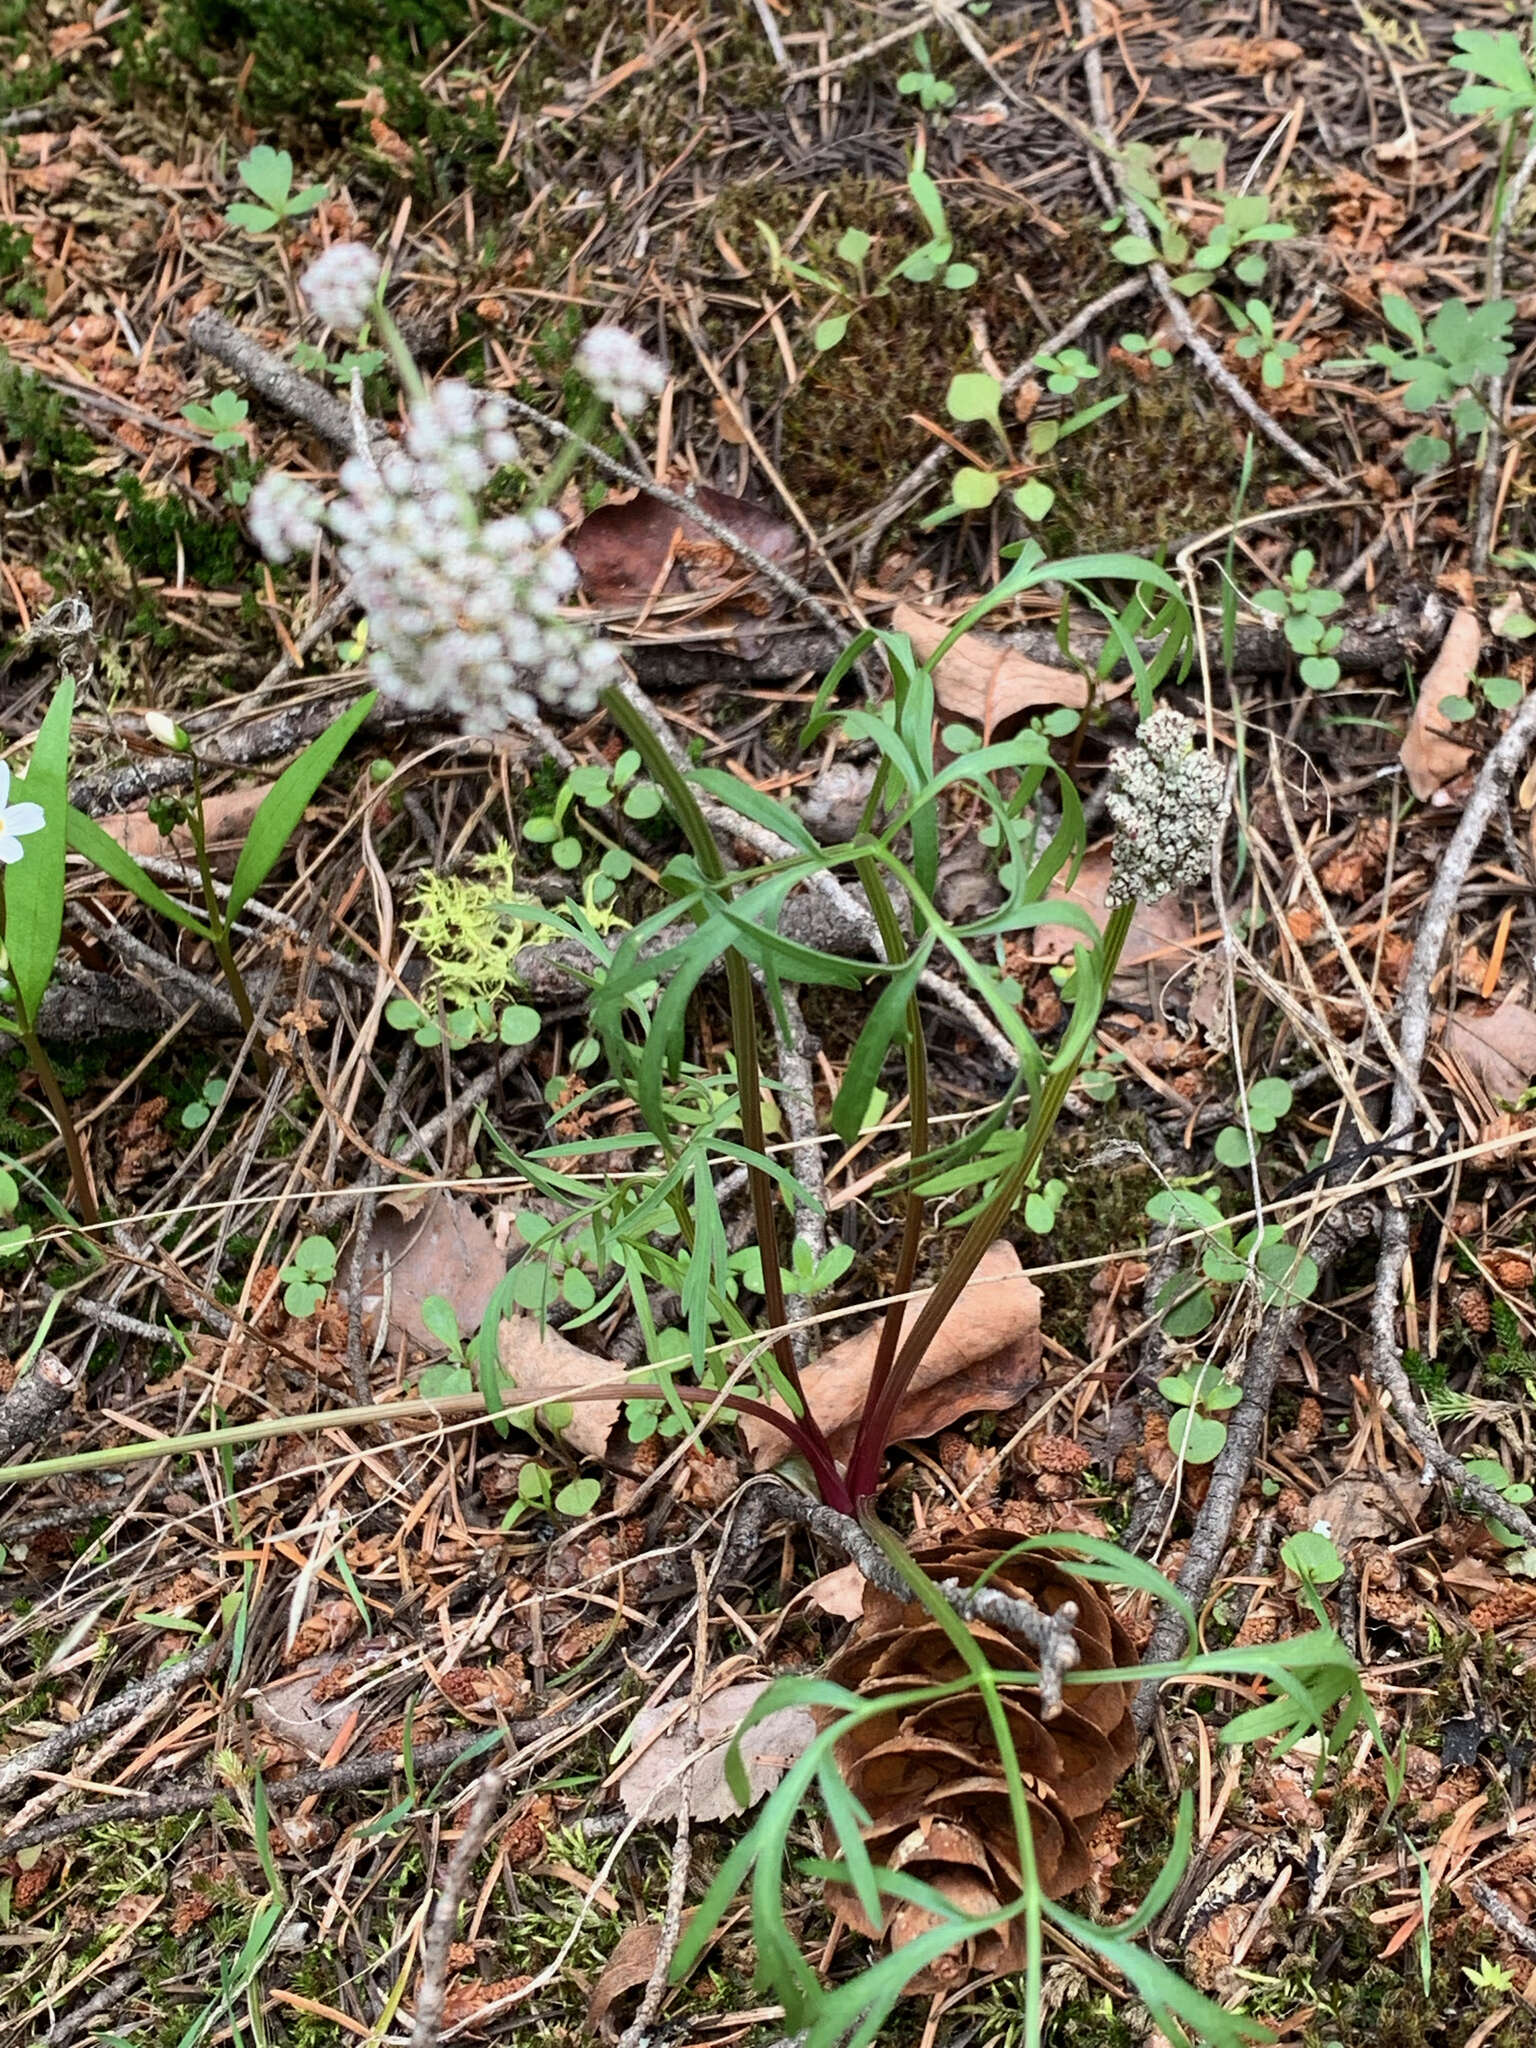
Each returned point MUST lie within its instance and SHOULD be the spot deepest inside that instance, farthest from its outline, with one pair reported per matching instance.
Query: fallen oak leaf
(1499, 1046)
(227, 818)
(1159, 931)
(986, 1353)
(1431, 760)
(651, 1780)
(632, 550)
(544, 1366)
(985, 681)
(630, 1967)
(434, 1243)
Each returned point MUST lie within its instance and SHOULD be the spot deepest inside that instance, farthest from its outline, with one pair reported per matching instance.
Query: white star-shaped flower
(16, 820)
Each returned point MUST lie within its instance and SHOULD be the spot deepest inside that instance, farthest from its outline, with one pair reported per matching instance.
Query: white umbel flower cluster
(619, 370)
(284, 515)
(340, 285)
(463, 612)
(1165, 802)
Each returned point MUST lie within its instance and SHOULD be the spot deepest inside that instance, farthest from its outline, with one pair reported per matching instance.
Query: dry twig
(1050, 1636)
(437, 1944)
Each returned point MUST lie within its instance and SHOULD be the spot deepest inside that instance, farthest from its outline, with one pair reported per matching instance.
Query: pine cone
(931, 1779)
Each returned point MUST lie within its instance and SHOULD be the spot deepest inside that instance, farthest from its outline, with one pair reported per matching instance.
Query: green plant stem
(42, 1066)
(875, 1425)
(553, 481)
(412, 382)
(916, 1052)
(743, 1025)
(422, 1408)
(218, 929)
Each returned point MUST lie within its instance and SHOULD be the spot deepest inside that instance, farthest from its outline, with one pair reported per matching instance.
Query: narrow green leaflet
(34, 885)
(86, 837)
(874, 1042)
(755, 804)
(283, 805)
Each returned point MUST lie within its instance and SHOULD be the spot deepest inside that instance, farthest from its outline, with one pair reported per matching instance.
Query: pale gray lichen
(1166, 801)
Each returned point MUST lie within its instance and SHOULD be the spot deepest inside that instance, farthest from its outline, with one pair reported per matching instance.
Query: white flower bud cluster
(619, 370)
(340, 285)
(463, 613)
(284, 515)
(1165, 802)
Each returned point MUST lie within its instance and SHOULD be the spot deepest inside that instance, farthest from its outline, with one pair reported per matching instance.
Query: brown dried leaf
(1430, 759)
(653, 1782)
(984, 680)
(543, 1365)
(1498, 1045)
(1359, 1509)
(839, 1593)
(629, 1967)
(630, 550)
(986, 1353)
(1159, 931)
(227, 819)
(295, 1715)
(436, 1243)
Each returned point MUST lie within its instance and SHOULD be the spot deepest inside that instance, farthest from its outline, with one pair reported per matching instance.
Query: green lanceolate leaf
(34, 885)
(283, 806)
(86, 837)
(874, 1042)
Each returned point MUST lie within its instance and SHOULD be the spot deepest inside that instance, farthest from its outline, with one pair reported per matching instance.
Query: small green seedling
(596, 786)
(1066, 370)
(223, 417)
(1510, 92)
(268, 173)
(1490, 1976)
(933, 94)
(1244, 227)
(976, 397)
(1516, 1492)
(1502, 693)
(536, 1493)
(314, 361)
(805, 1274)
(1281, 1274)
(1268, 1101)
(308, 1274)
(1257, 338)
(1042, 1205)
(1312, 1556)
(18, 1235)
(197, 1113)
(453, 1375)
(935, 260)
(1138, 345)
(1195, 1435)
(1303, 613)
(475, 1023)
(1462, 346)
